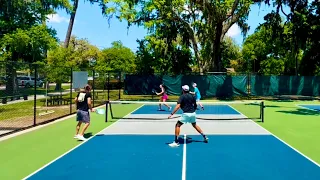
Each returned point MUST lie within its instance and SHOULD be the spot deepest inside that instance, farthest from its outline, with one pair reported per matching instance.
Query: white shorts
(188, 118)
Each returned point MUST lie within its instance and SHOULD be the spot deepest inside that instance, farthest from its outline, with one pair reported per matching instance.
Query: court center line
(280, 139)
(184, 159)
(75, 147)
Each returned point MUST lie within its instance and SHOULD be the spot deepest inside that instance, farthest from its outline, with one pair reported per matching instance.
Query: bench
(5, 99)
(57, 101)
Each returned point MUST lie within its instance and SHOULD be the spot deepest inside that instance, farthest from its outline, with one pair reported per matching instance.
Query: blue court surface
(311, 107)
(242, 151)
(209, 109)
(225, 157)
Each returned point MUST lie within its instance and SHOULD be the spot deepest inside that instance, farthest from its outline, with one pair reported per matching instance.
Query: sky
(90, 24)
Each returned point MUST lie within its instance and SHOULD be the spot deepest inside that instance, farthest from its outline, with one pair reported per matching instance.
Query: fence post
(119, 84)
(71, 86)
(248, 84)
(35, 96)
(93, 77)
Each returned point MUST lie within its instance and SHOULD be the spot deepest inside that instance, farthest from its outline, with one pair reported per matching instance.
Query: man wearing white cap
(188, 104)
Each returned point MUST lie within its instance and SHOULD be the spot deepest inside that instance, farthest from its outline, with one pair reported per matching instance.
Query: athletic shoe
(174, 144)
(206, 139)
(202, 108)
(81, 138)
(76, 136)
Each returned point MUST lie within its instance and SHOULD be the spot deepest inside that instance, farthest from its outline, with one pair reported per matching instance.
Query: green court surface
(24, 154)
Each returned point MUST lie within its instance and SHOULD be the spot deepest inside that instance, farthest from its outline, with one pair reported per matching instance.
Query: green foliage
(116, 58)
(58, 66)
(230, 53)
(179, 25)
(22, 35)
(28, 45)
(24, 14)
(286, 47)
(272, 66)
(77, 56)
(145, 63)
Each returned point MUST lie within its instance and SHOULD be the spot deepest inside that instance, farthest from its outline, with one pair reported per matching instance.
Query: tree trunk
(11, 83)
(58, 86)
(71, 22)
(216, 56)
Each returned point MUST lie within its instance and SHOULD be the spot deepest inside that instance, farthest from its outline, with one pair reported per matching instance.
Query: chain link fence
(33, 94)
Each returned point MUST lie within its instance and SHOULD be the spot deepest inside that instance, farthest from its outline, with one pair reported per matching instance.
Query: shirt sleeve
(89, 95)
(180, 100)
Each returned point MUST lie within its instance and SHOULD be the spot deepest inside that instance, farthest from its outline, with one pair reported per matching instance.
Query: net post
(108, 85)
(262, 111)
(110, 110)
(107, 104)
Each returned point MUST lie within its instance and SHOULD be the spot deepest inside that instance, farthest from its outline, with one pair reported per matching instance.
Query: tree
(116, 58)
(268, 48)
(28, 46)
(73, 12)
(22, 36)
(168, 50)
(77, 56)
(302, 32)
(230, 54)
(203, 22)
(145, 61)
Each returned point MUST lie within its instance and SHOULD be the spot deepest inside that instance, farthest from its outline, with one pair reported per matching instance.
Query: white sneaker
(174, 144)
(81, 138)
(75, 136)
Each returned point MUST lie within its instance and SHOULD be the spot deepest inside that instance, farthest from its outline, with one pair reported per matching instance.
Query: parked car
(28, 81)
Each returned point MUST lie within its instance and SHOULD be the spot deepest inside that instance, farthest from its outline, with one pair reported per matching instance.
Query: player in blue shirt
(197, 95)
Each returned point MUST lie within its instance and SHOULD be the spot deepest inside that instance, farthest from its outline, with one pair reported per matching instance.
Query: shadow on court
(87, 135)
(302, 111)
(188, 140)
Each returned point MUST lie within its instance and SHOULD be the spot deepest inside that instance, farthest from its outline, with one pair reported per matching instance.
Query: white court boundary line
(280, 139)
(301, 106)
(46, 165)
(184, 159)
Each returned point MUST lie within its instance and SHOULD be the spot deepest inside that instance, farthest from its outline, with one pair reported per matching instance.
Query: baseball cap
(185, 88)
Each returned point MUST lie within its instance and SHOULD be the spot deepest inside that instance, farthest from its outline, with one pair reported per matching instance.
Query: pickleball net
(150, 110)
